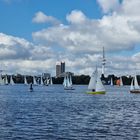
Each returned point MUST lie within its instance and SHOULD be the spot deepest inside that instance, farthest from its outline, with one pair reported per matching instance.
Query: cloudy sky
(35, 34)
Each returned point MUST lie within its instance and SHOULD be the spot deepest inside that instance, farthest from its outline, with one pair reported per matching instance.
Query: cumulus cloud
(14, 47)
(40, 17)
(76, 17)
(109, 5)
(18, 55)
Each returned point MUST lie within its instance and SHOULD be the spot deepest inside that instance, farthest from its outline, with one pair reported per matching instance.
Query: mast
(103, 62)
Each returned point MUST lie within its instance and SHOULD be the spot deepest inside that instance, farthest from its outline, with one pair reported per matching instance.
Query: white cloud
(18, 55)
(76, 17)
(40, 17)
(109, 5)
(14, 47)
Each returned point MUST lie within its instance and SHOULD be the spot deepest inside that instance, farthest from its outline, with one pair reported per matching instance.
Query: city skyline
(34, 35)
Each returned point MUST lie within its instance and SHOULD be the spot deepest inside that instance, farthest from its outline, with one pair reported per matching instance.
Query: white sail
(41, 82)
(70, 80)
(64, 82)
(99, 85)
(92, 82)
(132, 85)
(121, 82)
(111, 83)
(136, 86)
(6, 80)
(48, 81)
(51, 82)
(1, 80)
(11, 80)
(25, 80)
(34, 80)
(67, 83)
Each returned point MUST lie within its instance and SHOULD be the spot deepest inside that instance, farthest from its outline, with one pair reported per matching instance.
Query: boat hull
(134, 91)
(96, 92)
(69, 88)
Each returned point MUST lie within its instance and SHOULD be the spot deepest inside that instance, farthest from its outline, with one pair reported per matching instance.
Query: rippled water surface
(50, 113)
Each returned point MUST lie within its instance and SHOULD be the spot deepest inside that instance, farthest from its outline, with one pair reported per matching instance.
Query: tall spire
(103, 62)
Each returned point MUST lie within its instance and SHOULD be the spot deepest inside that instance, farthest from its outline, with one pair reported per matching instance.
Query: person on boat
(93, 90)
(31, 87)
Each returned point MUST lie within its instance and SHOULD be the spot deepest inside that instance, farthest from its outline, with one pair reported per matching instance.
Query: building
(46, 75)
(60, 68)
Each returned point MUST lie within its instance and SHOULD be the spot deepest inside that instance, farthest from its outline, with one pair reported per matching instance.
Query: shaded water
(50, 113)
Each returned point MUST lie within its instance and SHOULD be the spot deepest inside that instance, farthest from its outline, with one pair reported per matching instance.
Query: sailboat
(1, 80)
(95, 84)
(134, 88)
(67, 83)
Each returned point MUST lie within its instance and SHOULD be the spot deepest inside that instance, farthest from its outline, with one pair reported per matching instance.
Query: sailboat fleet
(95, 85)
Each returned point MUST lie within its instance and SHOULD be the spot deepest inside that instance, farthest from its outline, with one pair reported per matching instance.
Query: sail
(1, 80)
(34, 80)
(136, 86)
(121, 82)
(25, 80)
(6, 80)
(111, 82)
(41, 82)
(11, 80)
(92, 82)
(99, 85)
(70, 80)
(48, 81)
(64, 82)
(132, 86)
(51, 82)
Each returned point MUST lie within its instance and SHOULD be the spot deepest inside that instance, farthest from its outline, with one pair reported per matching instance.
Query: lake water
(50, 113)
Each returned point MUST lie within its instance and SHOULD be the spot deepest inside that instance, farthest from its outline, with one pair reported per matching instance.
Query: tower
(58, 69)
(103, 62)
(62, 67)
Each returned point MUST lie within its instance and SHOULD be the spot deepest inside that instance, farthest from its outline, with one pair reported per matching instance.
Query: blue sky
(16, 16)
(35, 34)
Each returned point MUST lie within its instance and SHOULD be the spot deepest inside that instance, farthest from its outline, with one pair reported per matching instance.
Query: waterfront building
(62, 67)
(58, 69)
